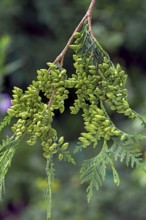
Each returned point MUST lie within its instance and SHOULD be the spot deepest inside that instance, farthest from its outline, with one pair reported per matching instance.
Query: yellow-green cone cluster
(113, 80)
(34, 116)
(97, 82)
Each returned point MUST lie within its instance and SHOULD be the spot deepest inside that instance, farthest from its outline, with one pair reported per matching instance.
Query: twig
(88, 17)
(60, 57)
(51, 98)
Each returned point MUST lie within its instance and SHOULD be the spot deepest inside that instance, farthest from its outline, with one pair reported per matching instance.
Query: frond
(78, 148)
(50, 171)
(7, 151)
(115, 175)
(128, 151)
(6, 121)
(68, 158)
(94, 171)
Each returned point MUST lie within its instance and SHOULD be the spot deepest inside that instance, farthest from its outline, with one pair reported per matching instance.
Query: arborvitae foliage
(98, 84)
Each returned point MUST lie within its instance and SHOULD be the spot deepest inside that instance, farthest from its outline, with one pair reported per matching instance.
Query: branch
(88, 17)
(51, 98)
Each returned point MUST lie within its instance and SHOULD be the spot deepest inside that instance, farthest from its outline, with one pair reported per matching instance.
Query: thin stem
(88, 17)
(51, 98)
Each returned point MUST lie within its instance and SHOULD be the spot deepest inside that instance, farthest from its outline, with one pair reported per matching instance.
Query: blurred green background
(33, 32)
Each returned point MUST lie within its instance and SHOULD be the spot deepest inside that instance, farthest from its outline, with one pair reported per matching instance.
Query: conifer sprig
(97, 83)
(6, 121)
(50, 171)
(7, 151)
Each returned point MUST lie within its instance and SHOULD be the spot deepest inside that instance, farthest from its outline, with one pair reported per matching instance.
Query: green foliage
(129, 151)
(7, 151)
(6, 121)
(98, 84)
(48, 193)
(94, 169)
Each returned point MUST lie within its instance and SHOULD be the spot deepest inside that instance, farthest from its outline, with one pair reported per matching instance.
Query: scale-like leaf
(94, 171)
(6, 121)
